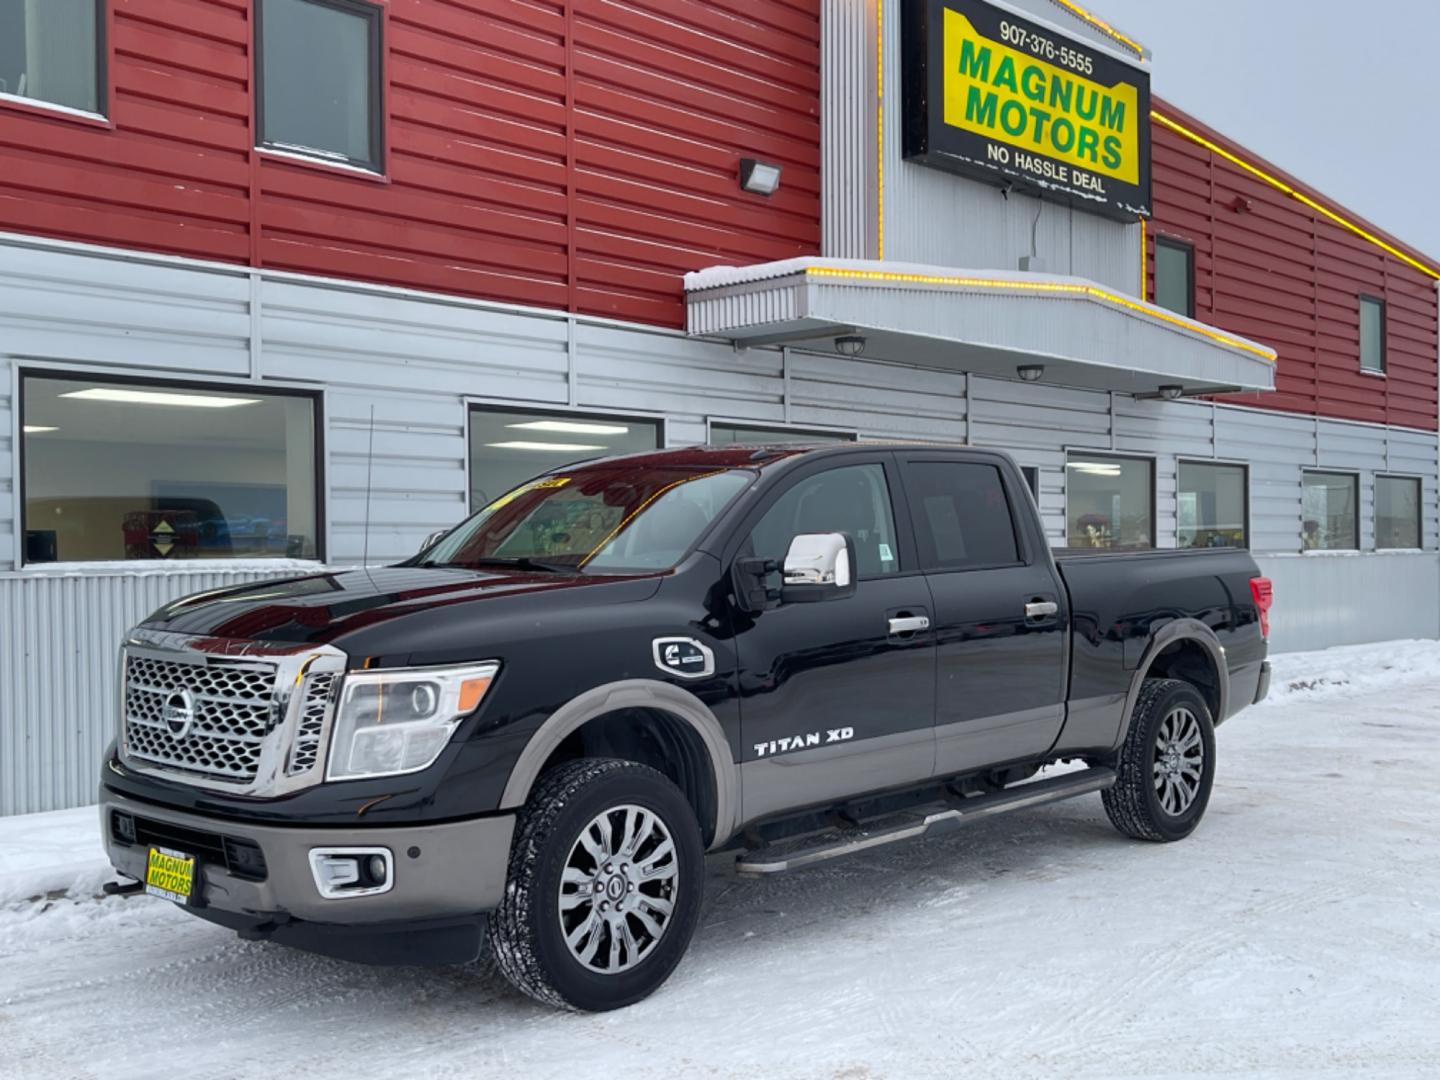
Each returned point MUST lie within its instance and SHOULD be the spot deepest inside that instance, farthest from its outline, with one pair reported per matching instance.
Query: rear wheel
(1167, 764)
(605, 878)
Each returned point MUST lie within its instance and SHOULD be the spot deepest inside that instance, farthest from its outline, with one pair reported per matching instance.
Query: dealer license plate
(170, 875)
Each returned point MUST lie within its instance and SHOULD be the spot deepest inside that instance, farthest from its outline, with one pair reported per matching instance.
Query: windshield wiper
(522, 562)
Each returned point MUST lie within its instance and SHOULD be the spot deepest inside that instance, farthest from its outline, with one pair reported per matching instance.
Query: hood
(339, 608)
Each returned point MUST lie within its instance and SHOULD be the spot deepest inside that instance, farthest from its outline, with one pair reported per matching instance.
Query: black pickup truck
(535, 729)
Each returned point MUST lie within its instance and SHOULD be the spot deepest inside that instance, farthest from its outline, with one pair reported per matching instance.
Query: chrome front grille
(234, 711)
(314, 715)
(238, 716)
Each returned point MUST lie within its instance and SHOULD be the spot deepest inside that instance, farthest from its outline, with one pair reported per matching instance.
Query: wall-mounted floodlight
(1170, 391)
(759, 177)
(850, 344)
(1030, 372)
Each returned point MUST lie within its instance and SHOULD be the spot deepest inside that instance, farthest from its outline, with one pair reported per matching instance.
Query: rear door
(1000, 610)
(837, 697)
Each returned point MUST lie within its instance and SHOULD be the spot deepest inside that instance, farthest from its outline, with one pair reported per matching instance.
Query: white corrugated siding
(59, 643)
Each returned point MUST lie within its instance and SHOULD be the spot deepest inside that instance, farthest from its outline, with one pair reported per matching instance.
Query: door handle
(909, 624)
(1041, 609)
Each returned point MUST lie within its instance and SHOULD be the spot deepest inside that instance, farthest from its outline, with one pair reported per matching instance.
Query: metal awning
(988, 322)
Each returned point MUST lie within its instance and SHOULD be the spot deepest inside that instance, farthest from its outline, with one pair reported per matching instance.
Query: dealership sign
(998, 97)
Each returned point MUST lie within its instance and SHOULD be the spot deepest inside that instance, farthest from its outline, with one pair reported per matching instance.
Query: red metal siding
(1271, 268)
(573, 154)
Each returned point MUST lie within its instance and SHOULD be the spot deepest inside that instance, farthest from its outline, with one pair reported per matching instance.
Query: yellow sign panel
(998, 91)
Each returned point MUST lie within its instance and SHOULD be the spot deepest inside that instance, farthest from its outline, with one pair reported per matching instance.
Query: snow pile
(1352, 670)
(47, 855)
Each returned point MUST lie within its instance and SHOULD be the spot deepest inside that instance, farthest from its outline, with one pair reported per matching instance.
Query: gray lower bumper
(441, 871)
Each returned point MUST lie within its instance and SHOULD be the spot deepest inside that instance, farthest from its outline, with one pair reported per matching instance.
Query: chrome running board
(909, 825)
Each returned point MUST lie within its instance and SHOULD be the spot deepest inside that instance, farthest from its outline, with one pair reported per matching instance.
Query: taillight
(1264, 593)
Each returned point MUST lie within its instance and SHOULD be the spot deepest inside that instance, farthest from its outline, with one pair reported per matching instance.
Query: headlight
(398, 721)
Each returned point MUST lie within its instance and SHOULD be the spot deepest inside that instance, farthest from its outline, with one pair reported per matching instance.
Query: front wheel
(605, 877)
(1167, 764)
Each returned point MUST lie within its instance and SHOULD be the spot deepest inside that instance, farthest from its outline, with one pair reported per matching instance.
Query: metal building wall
(59, 640)
(912, 213)
(577, 154)
(418, 359)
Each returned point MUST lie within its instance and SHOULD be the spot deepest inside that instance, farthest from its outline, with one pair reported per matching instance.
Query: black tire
(1135, 805)
(526, 935)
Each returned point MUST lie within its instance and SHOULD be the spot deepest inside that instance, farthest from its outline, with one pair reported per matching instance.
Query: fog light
(379, 872)
(123, 826)
(342, 873)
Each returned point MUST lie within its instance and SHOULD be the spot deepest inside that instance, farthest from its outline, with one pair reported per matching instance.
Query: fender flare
(632, 694)
(1179, 630)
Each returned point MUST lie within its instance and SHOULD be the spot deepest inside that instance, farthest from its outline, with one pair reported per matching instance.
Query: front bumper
(445, 878)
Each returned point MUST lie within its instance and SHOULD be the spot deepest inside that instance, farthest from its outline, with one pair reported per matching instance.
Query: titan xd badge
(684, 656)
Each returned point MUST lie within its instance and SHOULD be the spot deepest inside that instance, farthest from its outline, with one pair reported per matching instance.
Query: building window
(1175, 276)
(1372, 334)
(1109, 501)
(1397, 512)
(1329, 512)
(319, 75)
(1211, 503)
(52, 51)
(140, 470)
(724, 434)
(508, 447)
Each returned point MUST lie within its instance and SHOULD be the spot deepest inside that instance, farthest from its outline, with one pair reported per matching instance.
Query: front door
(1000, 612)
(837, 697)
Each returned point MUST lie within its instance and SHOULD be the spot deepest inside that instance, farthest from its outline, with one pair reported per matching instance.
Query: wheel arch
(1188, 650)
(688, 720)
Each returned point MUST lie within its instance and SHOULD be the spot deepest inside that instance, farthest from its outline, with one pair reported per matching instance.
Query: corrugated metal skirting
(59, 639)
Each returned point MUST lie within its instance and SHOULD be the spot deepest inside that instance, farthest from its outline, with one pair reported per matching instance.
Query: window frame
(377, 13)
(1181, 462)
(252, 387)
(1072, 452)
(1379, 302)
(1355, 478)
(555, 412)
(906, 554)
(842, 435)
(100, 117)
(1419, 482)
(1031, 475)
(1188, 249)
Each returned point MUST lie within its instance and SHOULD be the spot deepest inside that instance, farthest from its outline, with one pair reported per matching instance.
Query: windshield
(600, 518)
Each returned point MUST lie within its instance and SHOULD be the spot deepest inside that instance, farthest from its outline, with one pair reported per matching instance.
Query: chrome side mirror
(818, 566)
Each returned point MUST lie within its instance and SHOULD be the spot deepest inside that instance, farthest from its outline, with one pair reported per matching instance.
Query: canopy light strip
(1104, 27)
(1054, 288)
(1300, 196)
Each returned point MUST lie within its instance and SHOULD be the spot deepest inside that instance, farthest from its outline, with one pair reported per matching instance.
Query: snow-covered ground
(1296, 934)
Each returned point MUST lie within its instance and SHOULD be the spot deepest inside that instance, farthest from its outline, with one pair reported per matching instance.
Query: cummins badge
(684, 656)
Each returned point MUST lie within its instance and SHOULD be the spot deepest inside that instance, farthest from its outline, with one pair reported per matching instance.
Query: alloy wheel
(1179, 760)
(617, 891)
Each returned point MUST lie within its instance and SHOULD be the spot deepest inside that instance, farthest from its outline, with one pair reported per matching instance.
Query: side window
(962, 515)
(854, 500)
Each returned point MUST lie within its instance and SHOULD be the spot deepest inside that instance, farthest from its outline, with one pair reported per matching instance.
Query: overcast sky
(1342, 95)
